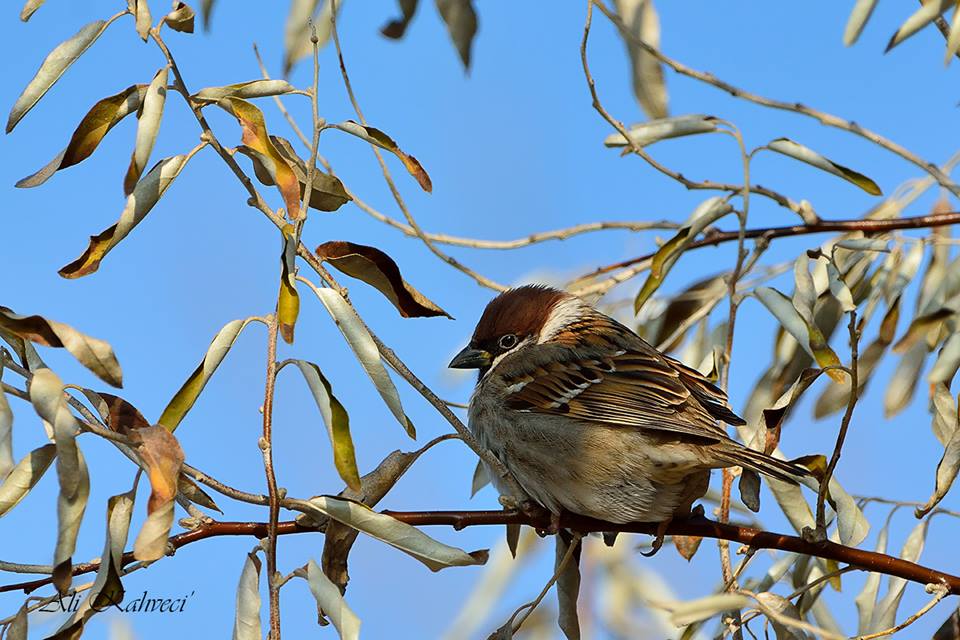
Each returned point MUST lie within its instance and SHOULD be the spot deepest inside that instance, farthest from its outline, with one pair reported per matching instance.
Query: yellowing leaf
(379, 270)
(382, 140)
(94, 354)
(335, 419)
(53, 66)
(148, 126)
(809, 156)
(139, 203)
(327, 194)
(181, 18)
(288, 303)
(256, 137)
(99, 120)
(188, 393)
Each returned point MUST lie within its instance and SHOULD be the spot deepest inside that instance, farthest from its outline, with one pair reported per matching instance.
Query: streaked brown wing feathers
(630, 388)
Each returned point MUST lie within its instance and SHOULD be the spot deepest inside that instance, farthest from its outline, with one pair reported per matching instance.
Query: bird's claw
(658, 539)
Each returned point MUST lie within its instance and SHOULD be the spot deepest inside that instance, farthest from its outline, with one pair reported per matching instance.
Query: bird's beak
(471, 358)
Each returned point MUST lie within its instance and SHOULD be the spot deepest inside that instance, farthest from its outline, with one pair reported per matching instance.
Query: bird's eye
(508, 341)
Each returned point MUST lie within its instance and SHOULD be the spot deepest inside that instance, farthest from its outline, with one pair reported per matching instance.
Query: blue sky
(512, 148)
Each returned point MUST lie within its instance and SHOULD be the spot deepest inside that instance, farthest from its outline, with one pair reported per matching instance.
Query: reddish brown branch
(823, 226)
(754, 538)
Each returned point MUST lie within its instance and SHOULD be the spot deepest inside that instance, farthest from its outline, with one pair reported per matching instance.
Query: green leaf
(107, 589)
(432, 553)
(685, 613)
(245, 90)
(246, 623)
(188, 393)
(461, 20)
(706, 213)
(27, 12)
(799, 152)
(46, 395)
(363, 346)
(148, 126)
(139, 203)
(642, 23)
(6, 433)
(885, 615)
(858, 20)
(296, 35)
(330, 601)
(70, 509)
(53, 66)
(141, 12)
(335, 419)
(22, 478)
(927, 13)
(646, 133)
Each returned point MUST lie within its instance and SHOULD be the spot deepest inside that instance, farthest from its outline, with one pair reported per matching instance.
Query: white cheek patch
(563, 314)
(523, 343)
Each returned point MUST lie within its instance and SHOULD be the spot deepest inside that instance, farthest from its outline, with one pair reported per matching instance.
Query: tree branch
(822, 226)
(754, 538)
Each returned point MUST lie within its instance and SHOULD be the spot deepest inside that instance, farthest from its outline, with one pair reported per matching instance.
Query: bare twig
(822, 226)
(708, 185)
(479, 278)
(844, 422)
(822, 117)
(266, 447)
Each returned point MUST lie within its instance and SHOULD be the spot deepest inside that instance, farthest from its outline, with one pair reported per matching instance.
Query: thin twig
(940, 592)
(266, 447)
(844, 423)
(822, 226)
(822, 117)
(529, 607)
(479, 278)
(708, 185)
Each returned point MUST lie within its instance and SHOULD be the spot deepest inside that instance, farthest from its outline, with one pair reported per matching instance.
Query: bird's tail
(785, 470)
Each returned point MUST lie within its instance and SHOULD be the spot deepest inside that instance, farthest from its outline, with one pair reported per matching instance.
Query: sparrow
(591, 419)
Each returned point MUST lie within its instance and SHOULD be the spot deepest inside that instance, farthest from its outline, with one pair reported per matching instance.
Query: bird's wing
(630, 385)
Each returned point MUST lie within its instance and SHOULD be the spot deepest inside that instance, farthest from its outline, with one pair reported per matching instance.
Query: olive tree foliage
(825, 344)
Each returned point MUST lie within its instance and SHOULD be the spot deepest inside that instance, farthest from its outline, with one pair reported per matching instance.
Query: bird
(591, 419)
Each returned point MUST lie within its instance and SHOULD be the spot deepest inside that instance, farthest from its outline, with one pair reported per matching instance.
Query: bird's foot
(658, 539)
